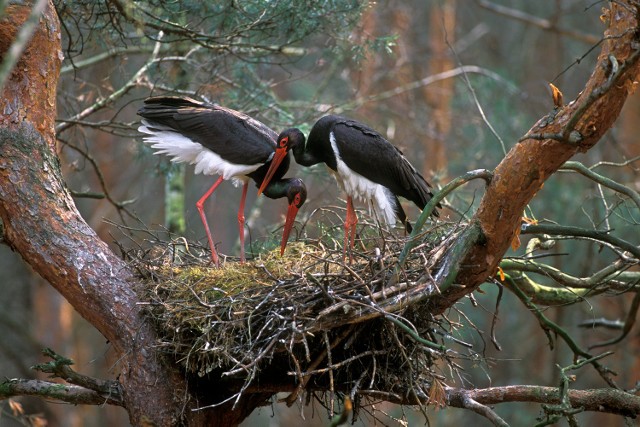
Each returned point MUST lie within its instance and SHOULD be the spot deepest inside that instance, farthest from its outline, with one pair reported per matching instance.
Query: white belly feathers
(183, 150)
(376, 196)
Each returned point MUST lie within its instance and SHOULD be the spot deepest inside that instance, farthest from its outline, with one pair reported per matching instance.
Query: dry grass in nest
(337, 322)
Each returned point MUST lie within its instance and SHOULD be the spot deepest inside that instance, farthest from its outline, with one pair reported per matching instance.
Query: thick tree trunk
(42, 224)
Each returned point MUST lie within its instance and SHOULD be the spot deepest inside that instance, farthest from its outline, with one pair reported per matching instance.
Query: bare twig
(628, 324)
(602, 180)
(103, 102)
(536, 21)
(73, 394)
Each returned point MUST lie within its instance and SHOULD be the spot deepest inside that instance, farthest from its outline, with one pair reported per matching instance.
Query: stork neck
(277, 189)
(304, 157)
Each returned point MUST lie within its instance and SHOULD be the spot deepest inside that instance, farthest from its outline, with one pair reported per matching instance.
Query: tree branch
(603, 180)
(544, 24)
(604, 400)
(103, 102)
(60, 367)
(595, 235)
(485, 411)
(596, 400)
(532, 161)
(73, 394)
(571, 288)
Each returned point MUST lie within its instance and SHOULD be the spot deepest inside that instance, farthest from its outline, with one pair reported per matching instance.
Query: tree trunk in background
(365, 73)
(630, 147)
(442, 22)
(630, 128)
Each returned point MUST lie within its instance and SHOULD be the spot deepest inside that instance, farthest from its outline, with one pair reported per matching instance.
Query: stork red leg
(200, 206)
(241, 220)
(349, 229)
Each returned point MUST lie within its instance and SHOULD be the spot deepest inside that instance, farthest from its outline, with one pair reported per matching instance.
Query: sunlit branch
(608, 277)
(547, 295)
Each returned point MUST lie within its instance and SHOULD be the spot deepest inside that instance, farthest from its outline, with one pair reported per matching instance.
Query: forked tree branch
(520, 175)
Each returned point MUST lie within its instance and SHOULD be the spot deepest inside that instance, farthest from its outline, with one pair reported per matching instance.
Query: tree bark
(546, 147)
(42, 224)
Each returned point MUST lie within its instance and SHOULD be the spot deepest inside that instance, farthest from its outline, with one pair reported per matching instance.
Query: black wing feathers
(366, 152)
(233, 135)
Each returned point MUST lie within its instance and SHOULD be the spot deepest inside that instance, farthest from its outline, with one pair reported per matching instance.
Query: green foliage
(225, 26)
(383, 44)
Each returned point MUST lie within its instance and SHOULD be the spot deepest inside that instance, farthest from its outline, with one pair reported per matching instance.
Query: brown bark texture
(41, 223)
(521, 174)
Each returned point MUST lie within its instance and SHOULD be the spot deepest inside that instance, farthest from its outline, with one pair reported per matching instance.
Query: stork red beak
(278, 157)
(288, 225)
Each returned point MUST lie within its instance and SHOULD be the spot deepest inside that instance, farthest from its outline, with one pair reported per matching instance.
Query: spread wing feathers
(234, 136)
(384, 164)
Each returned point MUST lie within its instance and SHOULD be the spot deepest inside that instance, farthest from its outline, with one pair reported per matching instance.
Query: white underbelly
(376, 196)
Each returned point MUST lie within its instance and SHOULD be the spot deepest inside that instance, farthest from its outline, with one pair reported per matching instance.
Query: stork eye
(284, 141)
(296, 199)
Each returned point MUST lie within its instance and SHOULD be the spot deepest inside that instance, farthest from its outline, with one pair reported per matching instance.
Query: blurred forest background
(454, 84)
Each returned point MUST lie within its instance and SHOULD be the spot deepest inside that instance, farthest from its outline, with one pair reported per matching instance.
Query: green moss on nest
(235, 277)
(237, 316)
(206, 314)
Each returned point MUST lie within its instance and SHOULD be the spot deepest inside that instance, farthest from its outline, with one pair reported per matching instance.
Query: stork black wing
(369, 154)
(234, 136)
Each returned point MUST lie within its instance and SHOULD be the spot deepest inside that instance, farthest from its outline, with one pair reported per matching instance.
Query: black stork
(366, 166)
(221, 141)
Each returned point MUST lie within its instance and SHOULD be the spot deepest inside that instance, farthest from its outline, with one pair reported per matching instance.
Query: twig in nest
(293, 396)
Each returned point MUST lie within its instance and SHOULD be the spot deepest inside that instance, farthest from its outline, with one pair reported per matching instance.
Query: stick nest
(346, 325)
